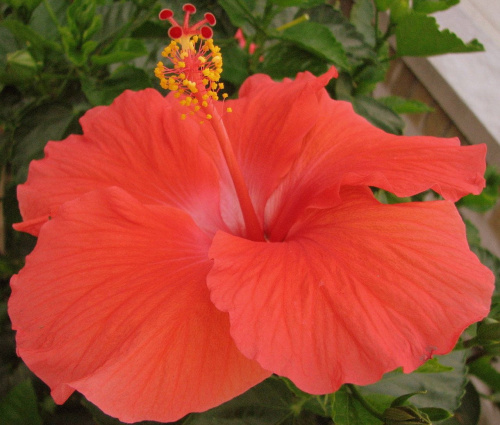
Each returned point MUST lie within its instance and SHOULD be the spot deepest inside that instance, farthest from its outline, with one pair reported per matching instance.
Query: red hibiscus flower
(178, 263)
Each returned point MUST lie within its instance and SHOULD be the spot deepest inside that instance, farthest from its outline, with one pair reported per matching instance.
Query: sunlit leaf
(430, 6)
(405, 106)
(418, 35)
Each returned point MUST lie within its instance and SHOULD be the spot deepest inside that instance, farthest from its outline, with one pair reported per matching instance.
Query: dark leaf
(362, 17)
(125, 77)
(299, 3)
(124, 50)
(47, 122)
(286, 60)
(318, 40)
(269, 403)
(19, 406)
(378, 114)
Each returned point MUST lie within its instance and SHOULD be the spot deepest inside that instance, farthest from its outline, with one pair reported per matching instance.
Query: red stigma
(177, 31)
(189, 8)
(165, 14)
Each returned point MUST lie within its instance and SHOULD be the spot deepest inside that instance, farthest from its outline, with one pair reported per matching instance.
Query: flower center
(194, 78)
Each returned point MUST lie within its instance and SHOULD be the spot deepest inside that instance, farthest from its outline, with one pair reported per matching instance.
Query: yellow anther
(221, 86)
(183, 116)
(225, 95)
(209, 117)
(195, 39)
(204, 103)
(229, 109)
(197, 108)
(181, 64)
(202, 59)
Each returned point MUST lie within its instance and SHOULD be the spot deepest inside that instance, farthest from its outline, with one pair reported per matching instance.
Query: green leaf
(436, 414)
(269, 403)
(485, 371)
(37, 44)
(444, 389)
(125, 77)
(378, 114)
(28, 4)
(398, 8)
(405, 106)
(356, 48)
(41, 20)
(433, 366)
(115, 17)
(489, 260)
(472, 232)
(124, 50)
(405, 415)
(21, 64)
(362, 16)
(469, 411)
(286, 60)
(239, 12)
(431, 6)
(47, 122)
(299, 3)
(366, 80)
(318, 40)
(19, 406)
(418, 35)
(488, 198)
(235, 64)
(346, 410)
(8, 44)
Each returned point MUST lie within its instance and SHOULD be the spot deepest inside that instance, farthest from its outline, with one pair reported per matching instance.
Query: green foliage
(19, 406)
(418, 35)
(430, 6)
(488, 197)
(58, 58)
(318, 40)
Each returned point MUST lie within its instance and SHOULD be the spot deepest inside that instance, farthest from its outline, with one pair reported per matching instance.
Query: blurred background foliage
(58, 58)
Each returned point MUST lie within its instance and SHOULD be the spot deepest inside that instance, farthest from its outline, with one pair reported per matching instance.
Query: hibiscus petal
(355, 291)
(267, 126)
(113, 303)
(138, 143)
(345, 149)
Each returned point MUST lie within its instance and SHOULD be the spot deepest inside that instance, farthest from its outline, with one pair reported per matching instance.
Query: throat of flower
(194, 77)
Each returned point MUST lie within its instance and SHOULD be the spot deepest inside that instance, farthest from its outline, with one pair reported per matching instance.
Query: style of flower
(179, 263)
